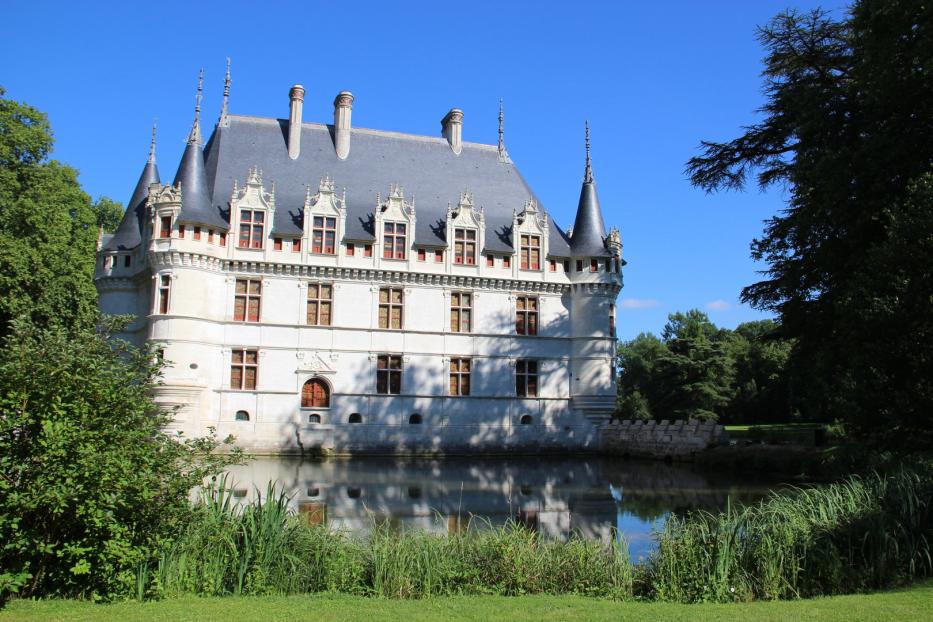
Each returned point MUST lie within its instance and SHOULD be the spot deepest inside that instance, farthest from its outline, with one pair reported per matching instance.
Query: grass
(915, 603)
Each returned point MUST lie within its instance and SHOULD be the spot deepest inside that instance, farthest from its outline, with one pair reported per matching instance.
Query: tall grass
(862, 533)
(265, 549)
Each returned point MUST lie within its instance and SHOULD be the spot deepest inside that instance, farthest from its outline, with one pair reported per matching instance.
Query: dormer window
(252, 223)
(166, 227)
(465, 246)
(530, 252)
(324, 235)
(394, 240)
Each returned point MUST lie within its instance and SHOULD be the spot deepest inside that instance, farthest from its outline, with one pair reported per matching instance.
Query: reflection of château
(555, 496)
(306, 301)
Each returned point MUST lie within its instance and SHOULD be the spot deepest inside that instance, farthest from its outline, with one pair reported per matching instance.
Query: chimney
(343, 109)
(296, 98)
(452, 125)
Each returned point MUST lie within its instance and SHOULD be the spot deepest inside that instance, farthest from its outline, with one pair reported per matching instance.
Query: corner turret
(129, 234)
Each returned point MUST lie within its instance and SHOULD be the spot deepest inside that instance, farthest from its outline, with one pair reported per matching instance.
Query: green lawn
(915, 603)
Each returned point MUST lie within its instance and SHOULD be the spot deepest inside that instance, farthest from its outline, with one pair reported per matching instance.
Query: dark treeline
(697, 370)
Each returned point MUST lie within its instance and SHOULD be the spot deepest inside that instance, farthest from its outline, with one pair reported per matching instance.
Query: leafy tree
(90, 486)
(48, 227)
(762, 387)
(639, 385)
(847, 130)
(109, 213)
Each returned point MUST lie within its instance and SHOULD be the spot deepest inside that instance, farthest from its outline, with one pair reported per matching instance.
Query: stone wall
(679, 440)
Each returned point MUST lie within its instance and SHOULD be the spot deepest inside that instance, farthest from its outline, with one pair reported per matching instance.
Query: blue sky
(652, 78)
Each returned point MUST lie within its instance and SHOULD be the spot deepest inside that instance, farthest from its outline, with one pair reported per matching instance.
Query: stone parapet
(678, 440)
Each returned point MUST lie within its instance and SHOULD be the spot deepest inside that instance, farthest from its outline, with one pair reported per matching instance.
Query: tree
(109, 213)
(48, 227)
(90, 486)
(847, 130)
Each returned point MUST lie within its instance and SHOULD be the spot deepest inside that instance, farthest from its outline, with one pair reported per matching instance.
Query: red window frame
(252, 228)
(465, 246)
(526, 315)
(460, 369)
(530, 252)
(320, 304)
(324, 235)
(244, 369)
(315, 394)
(394, 240)
(247, 300)
(165, 230)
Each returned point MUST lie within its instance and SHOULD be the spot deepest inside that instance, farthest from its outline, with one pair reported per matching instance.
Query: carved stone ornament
(313, 362)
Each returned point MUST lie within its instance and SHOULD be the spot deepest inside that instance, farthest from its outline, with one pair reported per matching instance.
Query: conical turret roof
(129, 233)
(589, 231)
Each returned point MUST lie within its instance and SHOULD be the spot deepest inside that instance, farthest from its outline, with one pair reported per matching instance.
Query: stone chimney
(343, 109)
(296, 98)
(452, 125)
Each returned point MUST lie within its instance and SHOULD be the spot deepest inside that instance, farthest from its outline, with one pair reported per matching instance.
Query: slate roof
(129, 234)
(424, 166)
(195, 196)
(589, 231)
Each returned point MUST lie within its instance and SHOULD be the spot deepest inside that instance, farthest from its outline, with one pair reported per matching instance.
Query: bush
(90, 487)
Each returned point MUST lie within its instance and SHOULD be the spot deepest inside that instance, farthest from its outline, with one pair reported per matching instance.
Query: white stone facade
(181, 286)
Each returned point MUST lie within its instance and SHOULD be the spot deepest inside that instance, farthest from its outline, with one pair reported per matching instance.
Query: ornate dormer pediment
(531, 219)
(326, 202)
(465, 214)
(395, 207)
(159, 194)
(253, 194)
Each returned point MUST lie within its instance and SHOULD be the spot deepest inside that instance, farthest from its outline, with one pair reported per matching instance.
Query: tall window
(461, 312)
(526, 378)
(393, 240)
(165, 229)
(460, 376)
(390, 307)
(244, 367)
(351, 249)
(276, 244)
(251, 228)
(315, 394)
(612, 320)
(465, 246)
(246, 300)
(320, 299)
(531, 252)
(197, 233)
(490, 261)
(388, 374)
(594, 265)
(526, 315)
(367, 250)
(324, 235)
(165, 284)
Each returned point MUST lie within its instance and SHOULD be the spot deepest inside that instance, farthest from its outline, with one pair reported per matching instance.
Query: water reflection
(555, 496)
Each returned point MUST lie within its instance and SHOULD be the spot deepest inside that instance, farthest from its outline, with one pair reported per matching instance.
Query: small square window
(422, 254)
(438, 256)
(197, 233)
(552, 265)
(351, 250)
(368, 250)
(296, 245)
(490, 261)
(277, 244)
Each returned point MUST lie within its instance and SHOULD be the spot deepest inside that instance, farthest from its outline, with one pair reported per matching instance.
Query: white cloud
(718, 305)
(639, 303)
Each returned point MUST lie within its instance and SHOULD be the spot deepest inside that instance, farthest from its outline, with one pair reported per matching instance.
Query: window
(552, 265)
(166, 228)
(530, 252)
(296, 245)
(351, 250)
(438, 256)
(165, 284)
(277, 244)
(390, 308)
(461, 312)
(127, 260)
(526, 378)
(354, 418)
(566, 265)
(465, 246)
(246, 300)
(490, 261)
(526, 315)
(251, 228)
(460, 376)
(422, 254)
(579, 265)
(315, 394)
(181, 231)
(210, 236)
(415, 419)
(313, 418)
(388, 374)
(197, 233)
(320, 301)
(242, 415)
(506, 262)
(244, 367)
(324, 235)
(368, 250)
(594, 265)
(393, 240)
(223, 239)
(525, 420)
(612, 320)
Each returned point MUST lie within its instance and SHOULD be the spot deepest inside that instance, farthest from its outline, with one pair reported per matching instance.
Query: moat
(555, 496)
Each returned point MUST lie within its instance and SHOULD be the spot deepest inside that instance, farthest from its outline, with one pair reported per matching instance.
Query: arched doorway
(315, 394)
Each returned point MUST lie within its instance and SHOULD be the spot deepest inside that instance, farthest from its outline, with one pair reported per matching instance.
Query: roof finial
(503, 154)
(152, 143)
(223, 108)
(588, 173)
(194, 138)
